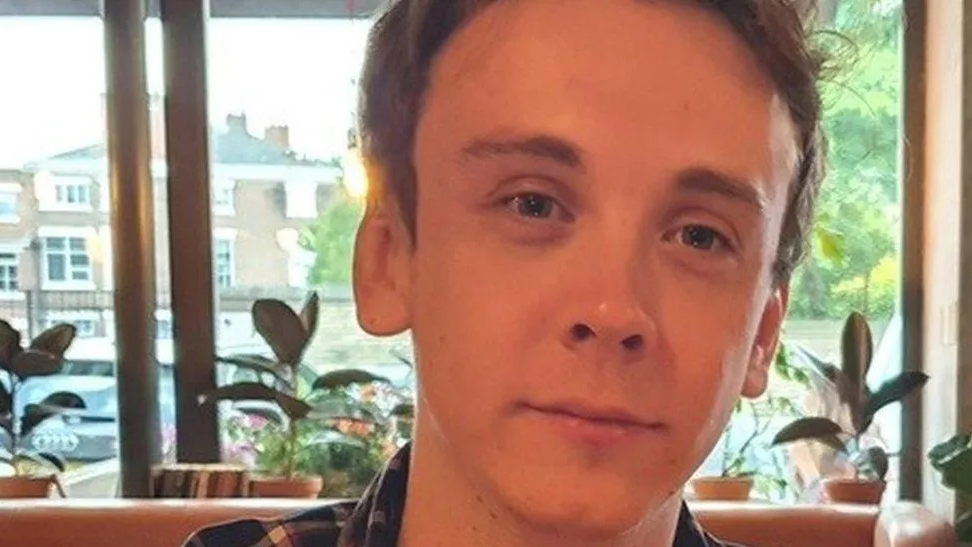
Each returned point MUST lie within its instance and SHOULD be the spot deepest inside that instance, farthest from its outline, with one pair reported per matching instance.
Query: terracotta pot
(279, 487)
(853, 491)
(722, 488)
(25, 487)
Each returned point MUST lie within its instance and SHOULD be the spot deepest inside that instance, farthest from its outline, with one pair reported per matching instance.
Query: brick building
(55, 238)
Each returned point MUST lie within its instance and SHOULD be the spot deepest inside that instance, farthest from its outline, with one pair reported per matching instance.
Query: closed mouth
(598, 415)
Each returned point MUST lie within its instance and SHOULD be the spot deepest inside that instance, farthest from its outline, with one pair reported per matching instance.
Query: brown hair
(408, 35)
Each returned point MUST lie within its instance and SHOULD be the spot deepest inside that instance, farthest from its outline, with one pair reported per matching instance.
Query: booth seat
(167, 523)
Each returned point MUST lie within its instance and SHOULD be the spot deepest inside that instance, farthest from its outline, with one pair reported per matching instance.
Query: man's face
(601, 187)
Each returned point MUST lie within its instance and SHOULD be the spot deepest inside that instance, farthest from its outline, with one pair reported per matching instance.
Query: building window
(66, 261)
(63, 193)
(73, 193)
(224, 199)
(9, 202)
(301, 199)
(224, 263)
(9, 272)
(86, 327)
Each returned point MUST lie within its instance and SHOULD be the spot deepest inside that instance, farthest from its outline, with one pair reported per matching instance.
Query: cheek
(469, 324)
(709, 339)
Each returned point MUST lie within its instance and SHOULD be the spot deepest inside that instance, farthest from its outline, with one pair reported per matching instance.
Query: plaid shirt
(374, 521)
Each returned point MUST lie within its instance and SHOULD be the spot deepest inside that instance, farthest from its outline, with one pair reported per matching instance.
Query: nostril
(634, 342)
(581, 332)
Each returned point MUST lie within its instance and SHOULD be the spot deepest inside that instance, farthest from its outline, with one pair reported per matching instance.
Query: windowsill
(62, 208)
(9, 220)
(74, 286)
(224, 211)
(15, 296)
(309, 216)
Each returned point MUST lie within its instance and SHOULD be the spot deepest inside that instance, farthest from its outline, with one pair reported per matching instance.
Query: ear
(382, 266)
(767, 340)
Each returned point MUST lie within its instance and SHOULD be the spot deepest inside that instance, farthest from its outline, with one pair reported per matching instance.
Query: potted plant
(953, 460)
(869, 463)
(735, 480)
(33, 472)
(310, 414)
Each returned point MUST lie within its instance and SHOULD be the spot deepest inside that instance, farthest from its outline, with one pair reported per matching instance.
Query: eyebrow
(708, 181)
(696, 180)
(539, 146)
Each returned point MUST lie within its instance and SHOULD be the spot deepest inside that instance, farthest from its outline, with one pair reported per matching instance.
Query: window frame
(45, 233)
(196, 80)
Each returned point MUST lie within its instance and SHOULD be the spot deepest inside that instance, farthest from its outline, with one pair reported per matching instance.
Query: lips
(603, 415)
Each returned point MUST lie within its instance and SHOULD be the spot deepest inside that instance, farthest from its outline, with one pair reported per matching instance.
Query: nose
(616, 329)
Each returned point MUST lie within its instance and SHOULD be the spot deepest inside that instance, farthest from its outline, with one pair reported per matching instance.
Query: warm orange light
(355, 175)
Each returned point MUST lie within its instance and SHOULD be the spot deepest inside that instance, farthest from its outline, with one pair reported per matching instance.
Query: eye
(535, 206)
(703, 238)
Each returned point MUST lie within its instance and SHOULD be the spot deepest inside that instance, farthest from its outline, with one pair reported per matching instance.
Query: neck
(444, 509)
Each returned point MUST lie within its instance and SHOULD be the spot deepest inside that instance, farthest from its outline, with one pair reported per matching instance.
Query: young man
(587, 213)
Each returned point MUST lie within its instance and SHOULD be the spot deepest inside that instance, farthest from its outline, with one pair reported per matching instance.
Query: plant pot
(279, 487)
(861, 491)
(25, 487)
(722, 488)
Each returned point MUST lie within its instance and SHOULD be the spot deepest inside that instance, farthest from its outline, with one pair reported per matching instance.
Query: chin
(587, 504)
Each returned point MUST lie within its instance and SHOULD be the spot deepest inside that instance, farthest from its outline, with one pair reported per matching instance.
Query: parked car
(91, 434)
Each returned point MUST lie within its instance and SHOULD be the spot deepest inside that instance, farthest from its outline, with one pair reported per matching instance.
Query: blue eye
(703, 238)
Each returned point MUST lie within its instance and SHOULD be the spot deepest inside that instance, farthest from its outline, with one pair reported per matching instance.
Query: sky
(277, 71)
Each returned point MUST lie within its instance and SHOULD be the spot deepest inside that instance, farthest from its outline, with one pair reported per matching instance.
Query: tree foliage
(859, 202)
(331, 238)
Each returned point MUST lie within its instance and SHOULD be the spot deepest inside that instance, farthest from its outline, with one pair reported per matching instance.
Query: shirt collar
(377, 519)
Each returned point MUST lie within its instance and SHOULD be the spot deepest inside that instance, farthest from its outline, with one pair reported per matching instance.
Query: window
(66, 262)
(9, 272)
(224, 267)
(301, 199)
(163, 325)
(72, 193)
(58, 192)
(87, 327)
(9, 202)
(224, 198)
(853, 264)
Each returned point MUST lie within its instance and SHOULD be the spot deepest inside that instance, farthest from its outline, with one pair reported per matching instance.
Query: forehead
(628, 78)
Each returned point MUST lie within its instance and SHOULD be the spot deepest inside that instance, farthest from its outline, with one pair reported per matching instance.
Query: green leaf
(856, 352)
(891, 391)
(331, 436)
(403, 410)
(34, 415)
(44, 459)
(258, 364)
(345, 377)
(946, 450)
(831, 244)
(294, 408)
(828, 371)
(55, 340)
(32, 362)
(805, 429)
(9, 344)
(956, 471)
(281, 329)
(63, 400)
(309, 314)
(6, 422)
(6, 401)
(337, 409)
(963, 527)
